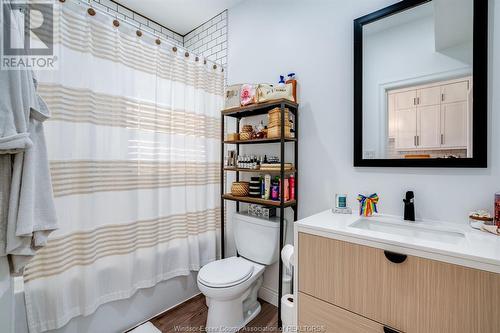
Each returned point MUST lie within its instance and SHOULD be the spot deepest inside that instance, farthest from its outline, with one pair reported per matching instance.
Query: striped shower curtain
(133, 147)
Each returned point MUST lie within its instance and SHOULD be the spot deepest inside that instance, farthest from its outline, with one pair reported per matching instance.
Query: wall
(210, 39)
(315, 40)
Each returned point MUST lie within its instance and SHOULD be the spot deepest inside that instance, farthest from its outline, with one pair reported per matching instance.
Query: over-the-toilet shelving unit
(255, 110)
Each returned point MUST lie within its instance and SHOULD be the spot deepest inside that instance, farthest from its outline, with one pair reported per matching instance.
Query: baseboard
(269, 295)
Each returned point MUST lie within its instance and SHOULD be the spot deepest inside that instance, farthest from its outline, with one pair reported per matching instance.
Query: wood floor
(191, 316)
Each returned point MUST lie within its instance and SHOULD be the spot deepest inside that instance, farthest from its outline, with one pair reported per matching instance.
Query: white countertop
(477, 249)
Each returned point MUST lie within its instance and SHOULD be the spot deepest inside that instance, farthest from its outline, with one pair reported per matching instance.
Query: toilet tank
(257, 239)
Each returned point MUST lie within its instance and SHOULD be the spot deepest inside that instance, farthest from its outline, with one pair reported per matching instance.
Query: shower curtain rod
(83, 3)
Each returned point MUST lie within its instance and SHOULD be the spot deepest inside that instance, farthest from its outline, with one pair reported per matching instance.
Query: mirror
(420, 85)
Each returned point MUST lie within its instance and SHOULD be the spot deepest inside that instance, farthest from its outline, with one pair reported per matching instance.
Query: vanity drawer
(415, 296)
(325, 317)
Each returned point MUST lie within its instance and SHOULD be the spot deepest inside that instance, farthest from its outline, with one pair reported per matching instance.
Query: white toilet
(231, 285)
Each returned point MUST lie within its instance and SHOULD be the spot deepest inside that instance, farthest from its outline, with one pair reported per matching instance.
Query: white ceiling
(181, 16)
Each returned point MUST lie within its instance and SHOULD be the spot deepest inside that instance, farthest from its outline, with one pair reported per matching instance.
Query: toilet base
(228, 316)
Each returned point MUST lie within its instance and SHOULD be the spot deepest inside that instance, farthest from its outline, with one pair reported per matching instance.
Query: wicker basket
(275, 132)
(233, 137)
(247, 129)
(274, 116)
(245, 136)
(274, 124)
(240, 189)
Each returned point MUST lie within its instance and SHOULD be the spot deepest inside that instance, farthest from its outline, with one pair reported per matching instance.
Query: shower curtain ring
(158, 41)
(138, 33)
(186, 54)
(91, 11)
(174, 49)
(116, 23)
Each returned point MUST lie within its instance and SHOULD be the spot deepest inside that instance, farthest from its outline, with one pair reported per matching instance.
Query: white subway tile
(140, 19)
(155, 26)
(125, 11)
(109, 4)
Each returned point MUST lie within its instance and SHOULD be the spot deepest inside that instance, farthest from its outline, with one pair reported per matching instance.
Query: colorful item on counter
(368, 205)
(497, 209)
(479, 218)
(340, 200)
(248, 94)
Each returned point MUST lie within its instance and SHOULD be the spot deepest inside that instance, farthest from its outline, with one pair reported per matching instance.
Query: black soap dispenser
(409, 214)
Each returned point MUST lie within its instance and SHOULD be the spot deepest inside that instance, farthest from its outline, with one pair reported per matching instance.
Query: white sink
(420, 230)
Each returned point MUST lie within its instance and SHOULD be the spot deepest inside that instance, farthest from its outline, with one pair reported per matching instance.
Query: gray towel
(27, 212)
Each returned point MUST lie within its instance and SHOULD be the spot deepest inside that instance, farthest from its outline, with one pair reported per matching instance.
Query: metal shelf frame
(249, 111)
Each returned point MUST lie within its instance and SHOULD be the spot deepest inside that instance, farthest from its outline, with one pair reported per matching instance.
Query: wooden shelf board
(287, 171)
(258, 201)
(257, 141)
(260, 108)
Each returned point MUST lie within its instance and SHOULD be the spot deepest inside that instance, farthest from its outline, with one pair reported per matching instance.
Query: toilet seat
(226, 272)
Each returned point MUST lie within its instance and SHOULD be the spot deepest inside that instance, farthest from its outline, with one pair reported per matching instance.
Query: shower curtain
(134, 148)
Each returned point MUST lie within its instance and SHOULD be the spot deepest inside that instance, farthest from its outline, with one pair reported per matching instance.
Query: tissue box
(261, 211)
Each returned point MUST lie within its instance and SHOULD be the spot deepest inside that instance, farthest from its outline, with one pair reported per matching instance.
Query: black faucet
(409, 206)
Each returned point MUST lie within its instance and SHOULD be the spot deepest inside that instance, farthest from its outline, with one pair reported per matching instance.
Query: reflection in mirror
(417, 83)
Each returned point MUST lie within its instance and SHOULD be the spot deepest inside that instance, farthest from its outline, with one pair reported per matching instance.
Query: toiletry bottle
(262, 187)
(275, 191)
(291, 184)
(291, 79)
(497, 209)
(286, 188)
(267, 188)
(282, 81)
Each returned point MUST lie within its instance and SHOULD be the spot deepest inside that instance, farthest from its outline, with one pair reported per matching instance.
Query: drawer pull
(389, 330)
(396, 258)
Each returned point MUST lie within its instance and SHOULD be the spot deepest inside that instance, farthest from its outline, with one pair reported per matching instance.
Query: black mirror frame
(480, 93)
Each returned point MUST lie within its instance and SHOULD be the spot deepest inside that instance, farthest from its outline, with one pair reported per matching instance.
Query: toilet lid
(226, 272)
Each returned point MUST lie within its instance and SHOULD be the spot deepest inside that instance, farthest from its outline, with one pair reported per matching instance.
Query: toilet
(231, 285)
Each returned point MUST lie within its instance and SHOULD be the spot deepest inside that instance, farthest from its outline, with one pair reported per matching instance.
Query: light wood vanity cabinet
(342, 283)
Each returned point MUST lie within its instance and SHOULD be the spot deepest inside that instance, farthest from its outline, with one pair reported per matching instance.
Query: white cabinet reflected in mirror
(416, 76)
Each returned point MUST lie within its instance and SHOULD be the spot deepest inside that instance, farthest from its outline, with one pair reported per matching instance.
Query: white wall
(315, 39)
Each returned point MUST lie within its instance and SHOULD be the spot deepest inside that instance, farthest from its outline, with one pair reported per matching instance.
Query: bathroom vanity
(383, 274)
